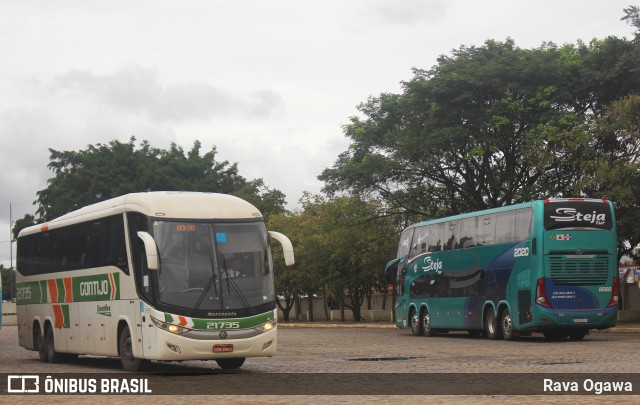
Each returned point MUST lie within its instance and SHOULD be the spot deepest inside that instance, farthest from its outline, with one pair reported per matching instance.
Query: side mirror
(394, 262)
(151, 249)
(287, 247)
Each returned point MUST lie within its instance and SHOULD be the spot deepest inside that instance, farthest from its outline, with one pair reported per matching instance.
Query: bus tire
(556, 335)
(38, 342)
(425, 323)
(49, 345)
(491, 324)
(414, 322)
(508, 331)
(230, 364)
(578, 334)
(125, 348)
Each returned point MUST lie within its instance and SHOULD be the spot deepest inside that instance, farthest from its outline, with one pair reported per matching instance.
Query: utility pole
(10, 238)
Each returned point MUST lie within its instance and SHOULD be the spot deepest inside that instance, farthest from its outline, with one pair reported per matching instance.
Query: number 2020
(521, 252)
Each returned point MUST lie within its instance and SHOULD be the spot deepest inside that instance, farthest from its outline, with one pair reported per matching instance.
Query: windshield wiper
(212, 280)
(235, 288)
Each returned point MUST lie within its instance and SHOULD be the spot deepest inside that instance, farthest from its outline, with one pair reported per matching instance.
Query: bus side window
(436, 236)
(505, 224)
(138, 222)
(419, 242)
(468, 232)
(451, 235)
(523, 218)
(486, 230)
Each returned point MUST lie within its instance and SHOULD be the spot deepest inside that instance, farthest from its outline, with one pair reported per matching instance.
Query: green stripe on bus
(96, 288)
(32, 292)
(223, 324)
(100, 287)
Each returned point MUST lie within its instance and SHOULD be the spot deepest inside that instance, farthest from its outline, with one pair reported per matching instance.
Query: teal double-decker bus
(548, 266)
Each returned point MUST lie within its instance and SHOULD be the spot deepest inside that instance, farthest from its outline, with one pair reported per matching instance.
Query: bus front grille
(579, 271)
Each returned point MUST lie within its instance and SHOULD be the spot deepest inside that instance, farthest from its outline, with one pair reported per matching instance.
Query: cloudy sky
(269, 83)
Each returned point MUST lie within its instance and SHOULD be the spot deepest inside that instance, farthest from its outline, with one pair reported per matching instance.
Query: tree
(613, 167)
(289, 280)
(102, 172)
(8, 282)
(268, 201)
(22, 223)
(486, 127)
(350, 244)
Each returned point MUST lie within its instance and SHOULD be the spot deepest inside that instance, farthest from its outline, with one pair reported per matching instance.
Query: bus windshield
(213, 266)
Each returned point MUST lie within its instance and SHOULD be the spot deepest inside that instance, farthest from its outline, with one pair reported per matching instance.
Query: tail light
(615, 291)
(541, 294)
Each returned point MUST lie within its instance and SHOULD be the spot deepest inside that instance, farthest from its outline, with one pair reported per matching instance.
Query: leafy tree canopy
(101, 172)
(485, 127)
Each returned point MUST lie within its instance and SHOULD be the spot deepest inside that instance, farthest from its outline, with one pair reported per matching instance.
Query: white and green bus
(150, 276)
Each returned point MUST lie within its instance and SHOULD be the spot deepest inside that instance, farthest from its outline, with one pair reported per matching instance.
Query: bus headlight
(169, 327)
(265, 327)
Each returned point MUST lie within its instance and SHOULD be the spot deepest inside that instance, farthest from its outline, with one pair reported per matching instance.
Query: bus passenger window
(505, 224)
(486, 230)
(451, 235)
(419, 243)
(468, 232)
(436, 235)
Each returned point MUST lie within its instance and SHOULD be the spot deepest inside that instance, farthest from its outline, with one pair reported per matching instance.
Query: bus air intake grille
(573, 271)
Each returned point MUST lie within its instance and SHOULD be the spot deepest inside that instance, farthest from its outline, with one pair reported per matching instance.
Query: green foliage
(268, 201)
(8, 283)
(22, 223)
(612, 168)
(343, 243)
(101, 172)
(487, 126)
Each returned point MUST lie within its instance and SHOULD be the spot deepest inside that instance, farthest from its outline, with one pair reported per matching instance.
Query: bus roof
(502, 209)
(169, 204)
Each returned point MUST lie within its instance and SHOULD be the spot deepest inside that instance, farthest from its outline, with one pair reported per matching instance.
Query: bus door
(402, 302)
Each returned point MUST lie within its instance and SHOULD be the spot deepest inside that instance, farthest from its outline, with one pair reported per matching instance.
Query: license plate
(222, 348)
(580, 320)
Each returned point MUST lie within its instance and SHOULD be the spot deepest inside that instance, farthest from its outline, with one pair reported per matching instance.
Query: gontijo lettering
(88, 288)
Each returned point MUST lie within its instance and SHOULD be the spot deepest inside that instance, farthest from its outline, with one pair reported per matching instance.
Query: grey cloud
(407, 11)
(137, 90)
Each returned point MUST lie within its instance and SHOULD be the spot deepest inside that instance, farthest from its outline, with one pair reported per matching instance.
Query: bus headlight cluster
(169, 327)
(265, 327)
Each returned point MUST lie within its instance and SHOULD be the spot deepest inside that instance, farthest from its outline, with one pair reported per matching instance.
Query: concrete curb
(635, 328)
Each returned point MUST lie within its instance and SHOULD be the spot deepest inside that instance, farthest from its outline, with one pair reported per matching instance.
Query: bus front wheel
(125, 348)
(578, 334)
(491, 324)
(230, 364)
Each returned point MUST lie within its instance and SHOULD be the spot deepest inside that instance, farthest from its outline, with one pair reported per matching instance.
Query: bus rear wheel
(425, 324)
(38, 340)
(49, 346)
(491, 324)
(125, 348)
(414, 320)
